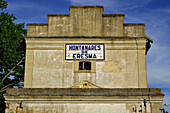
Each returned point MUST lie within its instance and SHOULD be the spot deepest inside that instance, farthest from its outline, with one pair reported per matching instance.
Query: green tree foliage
(11, 52)
(3, 4)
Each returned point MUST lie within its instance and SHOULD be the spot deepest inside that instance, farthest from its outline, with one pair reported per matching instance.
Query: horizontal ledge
(58, 15)
(37, 23)
(112, 15)
(125, 48)
(63, 49)
(85, 71)
(108, 43)
(86, 7)
(114, 37)
(83, 100)
(84, 92)
(45, 48)
(133, 24)
(107, 48)
(80, 94)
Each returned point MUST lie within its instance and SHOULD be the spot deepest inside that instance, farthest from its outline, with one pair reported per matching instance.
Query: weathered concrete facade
(117, 83)
(124, 65)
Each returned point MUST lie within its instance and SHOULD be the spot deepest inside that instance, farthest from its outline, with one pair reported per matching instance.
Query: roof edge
(131, 24)
(85, 91)
(124, 37)
(86, 6)
(112, 15)
(151, 40)
(37, 23)
(58, 14)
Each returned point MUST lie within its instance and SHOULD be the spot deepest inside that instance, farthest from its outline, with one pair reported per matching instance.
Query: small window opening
(84, 84)
(84, 65)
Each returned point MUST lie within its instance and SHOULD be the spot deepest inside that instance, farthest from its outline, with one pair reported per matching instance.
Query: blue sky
(154, 13)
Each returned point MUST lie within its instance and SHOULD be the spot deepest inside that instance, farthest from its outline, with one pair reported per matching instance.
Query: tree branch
(10, 72)
(5, 88)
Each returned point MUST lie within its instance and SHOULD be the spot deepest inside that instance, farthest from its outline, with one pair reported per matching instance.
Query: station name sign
(84, 52)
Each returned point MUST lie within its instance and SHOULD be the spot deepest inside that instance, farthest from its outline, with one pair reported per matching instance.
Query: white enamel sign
(84, 52)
